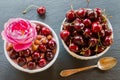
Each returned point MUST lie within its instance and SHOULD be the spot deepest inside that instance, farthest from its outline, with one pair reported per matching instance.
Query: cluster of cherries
(86, 32)
(39, 54)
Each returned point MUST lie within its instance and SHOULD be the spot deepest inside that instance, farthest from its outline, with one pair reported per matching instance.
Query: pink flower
(19, 32)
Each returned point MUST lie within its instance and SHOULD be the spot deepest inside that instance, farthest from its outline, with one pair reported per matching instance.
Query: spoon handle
(69, 72)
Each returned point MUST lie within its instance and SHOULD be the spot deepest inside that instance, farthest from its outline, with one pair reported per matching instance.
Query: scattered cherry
(80, 13)
(91, 14)
(87, 22)
(78, 26)
(78, 40)
(107, 41)
(96, 27)
(98, 11)
(41, 10)
(42, 48)
(87, 32)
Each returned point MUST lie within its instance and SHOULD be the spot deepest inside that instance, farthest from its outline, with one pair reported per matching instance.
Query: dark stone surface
(56, 10)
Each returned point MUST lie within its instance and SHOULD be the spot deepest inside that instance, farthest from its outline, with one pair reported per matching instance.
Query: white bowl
(40, 69)
(84, 57)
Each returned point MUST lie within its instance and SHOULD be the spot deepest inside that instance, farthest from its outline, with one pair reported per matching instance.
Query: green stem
(99, 39)
(28, 8)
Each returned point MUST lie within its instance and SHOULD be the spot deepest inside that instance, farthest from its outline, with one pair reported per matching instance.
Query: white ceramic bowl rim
(40, 69)
(85, 57)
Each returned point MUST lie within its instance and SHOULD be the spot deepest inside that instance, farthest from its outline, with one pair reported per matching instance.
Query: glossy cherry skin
(79, 26)
(73, 47)
(98, 11)
(87, 32)
(52, 44)
(26, 53)
(102, 33)
(78, 40)
(91, 14)
(87, 52)
(42, 62)
(41, 10)
(80, 13)
(14, 54)
(42, 48)
(64, 34)
(21, 61)
(49, 56)
(45, 31)
(93, 42)
(108, 32)
(36, 56)
(87, 22)
(70, 15)
(107, 41)
(31, 65)
(96, 27)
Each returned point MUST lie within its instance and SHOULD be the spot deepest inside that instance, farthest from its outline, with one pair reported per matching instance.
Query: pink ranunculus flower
(19, 32)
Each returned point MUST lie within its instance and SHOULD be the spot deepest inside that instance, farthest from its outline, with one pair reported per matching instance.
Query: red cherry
(87, 52)
(92, 14)
(98, 11)
(73, 47)
(49, 56)
(70, 15)
(107, 41)
(42, 62)
(87, 32)
(79, 26)
(45, 31)
(42, 48)
(93, 42)
(96, 27)
(21, 61)
(81, 13)
(35, 56)
(26, 53)
(108, 32)
(31, 65)
(52, 44)
(78, 40)
(41, 10)
(64, 34)
(87, 22)
(100, 49)
(14, 54)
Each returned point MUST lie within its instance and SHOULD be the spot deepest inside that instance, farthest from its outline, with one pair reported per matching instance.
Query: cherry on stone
(78, 40)
(42, 62)
(70, 15)
(73, 47)
(41, 10)
(31, 65)
(80, 13)
(51, 44)
(87, 22)
(64, 34)
(45, 31)
(96, 27)
(21, 61)
(49, 56)
(14, 54)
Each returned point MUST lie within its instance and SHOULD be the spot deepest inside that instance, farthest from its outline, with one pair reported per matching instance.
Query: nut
(34, 47)
(9, 47)
(49, 37)
(37, 42)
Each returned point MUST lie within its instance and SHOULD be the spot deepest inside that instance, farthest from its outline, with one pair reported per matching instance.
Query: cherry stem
(28, 8)
(107, 16)
(88, 2)
(96, 49)
(71, 7)
(99, 39)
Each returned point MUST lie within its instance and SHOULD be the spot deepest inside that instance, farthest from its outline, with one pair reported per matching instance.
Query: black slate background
(56, 10)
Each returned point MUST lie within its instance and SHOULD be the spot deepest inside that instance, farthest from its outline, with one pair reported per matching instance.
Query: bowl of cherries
(30, 49)
(86, 33)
